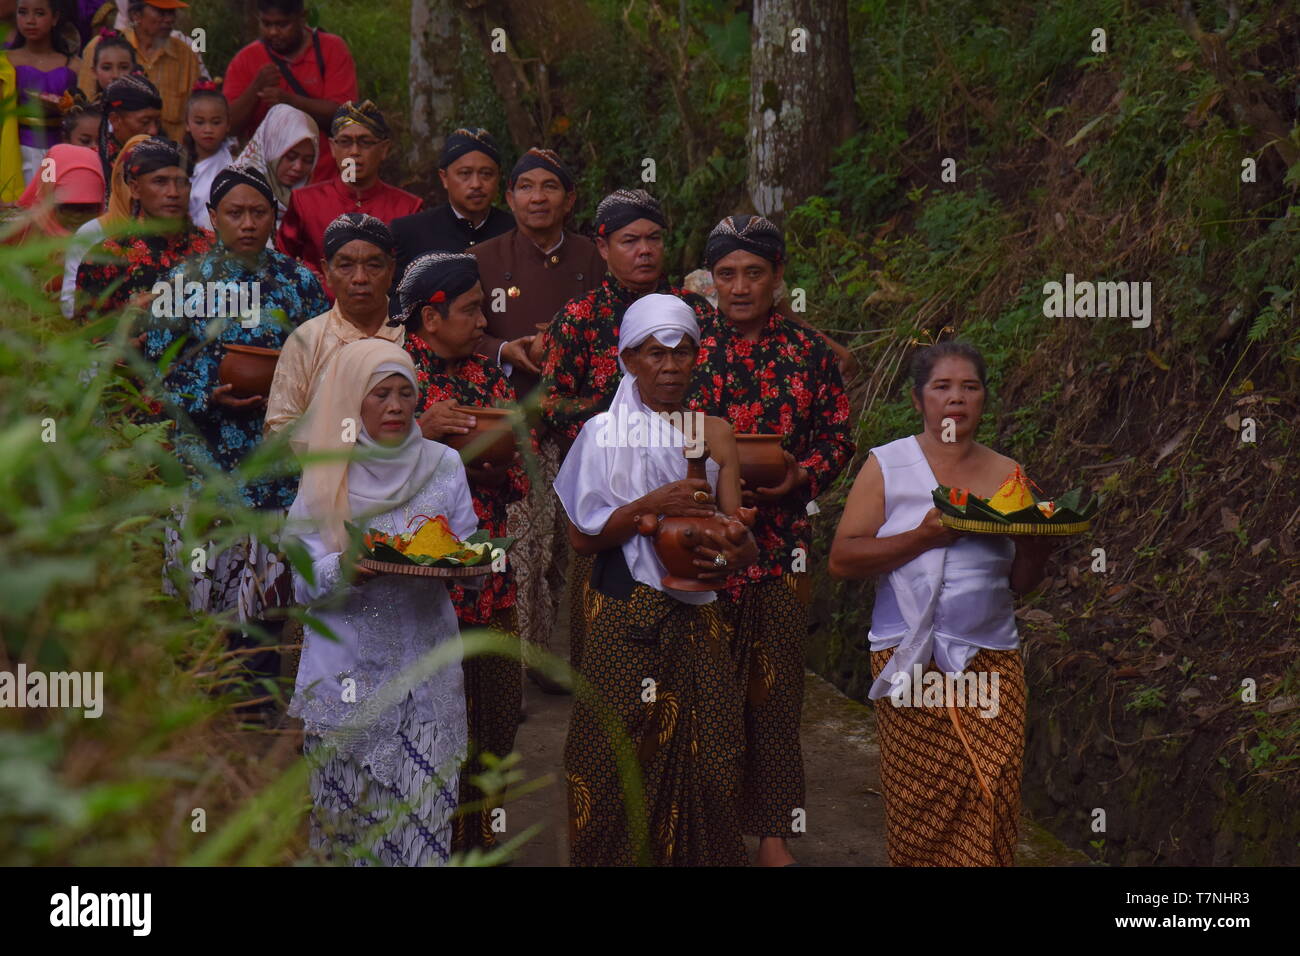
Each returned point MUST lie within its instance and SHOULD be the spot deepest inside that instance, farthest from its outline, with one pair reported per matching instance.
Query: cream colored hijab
(283, 128)
(342, 487)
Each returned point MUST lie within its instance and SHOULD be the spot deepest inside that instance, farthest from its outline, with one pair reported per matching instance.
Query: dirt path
(846, 822)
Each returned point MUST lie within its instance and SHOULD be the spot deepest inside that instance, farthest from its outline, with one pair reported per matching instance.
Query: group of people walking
(684, 735)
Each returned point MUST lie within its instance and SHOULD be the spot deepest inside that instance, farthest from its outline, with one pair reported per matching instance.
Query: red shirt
(312, 208)
(339, 83)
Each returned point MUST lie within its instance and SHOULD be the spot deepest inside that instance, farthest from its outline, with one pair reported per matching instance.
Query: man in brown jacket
(528, 274)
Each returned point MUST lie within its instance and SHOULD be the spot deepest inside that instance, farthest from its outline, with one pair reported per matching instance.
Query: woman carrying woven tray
(951, 762)
(385, 742)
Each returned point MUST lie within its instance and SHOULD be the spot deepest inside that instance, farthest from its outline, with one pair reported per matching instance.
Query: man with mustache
(124, 268)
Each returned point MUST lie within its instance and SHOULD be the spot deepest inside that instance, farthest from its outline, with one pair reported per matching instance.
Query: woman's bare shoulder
(994, 459)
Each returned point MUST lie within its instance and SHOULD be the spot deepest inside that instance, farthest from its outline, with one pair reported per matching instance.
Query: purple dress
(31, 130)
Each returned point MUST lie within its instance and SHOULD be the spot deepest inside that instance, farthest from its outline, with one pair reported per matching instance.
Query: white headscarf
(283, 128)
(341, 489)
(602, 473)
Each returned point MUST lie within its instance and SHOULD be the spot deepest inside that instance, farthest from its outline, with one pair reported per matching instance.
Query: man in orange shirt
(166, 59)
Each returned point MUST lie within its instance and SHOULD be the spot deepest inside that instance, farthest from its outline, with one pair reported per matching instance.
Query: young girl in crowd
(81, 120)
(207, 126)
(46, 67)
(113, 56)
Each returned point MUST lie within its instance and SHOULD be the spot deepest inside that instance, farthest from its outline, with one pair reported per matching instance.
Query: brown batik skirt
(493, 698)
(937, 812)
(579, 598)
(770, 623)
(663, 684)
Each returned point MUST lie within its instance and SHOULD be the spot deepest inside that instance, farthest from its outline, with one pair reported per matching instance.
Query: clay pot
(248, 369)
(762, 461)
(675, 539)
(491, 440)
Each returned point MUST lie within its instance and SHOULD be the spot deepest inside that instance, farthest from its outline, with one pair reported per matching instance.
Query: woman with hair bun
(951, 773)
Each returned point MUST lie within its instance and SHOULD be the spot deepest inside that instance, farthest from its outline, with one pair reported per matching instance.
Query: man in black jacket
(470, 170)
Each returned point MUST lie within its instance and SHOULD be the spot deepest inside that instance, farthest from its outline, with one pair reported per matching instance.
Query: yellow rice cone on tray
(434, 538)
(1013, 494)
(1013, 510)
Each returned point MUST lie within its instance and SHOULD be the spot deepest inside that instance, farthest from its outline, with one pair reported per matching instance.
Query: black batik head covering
(358, 225)
(537, 158)
(233, 176)
(625, 206)
(153, 154)
(364, 114)
(130, 92)
(127, 94)
(750, 233)
(433, 278)
(468, 140)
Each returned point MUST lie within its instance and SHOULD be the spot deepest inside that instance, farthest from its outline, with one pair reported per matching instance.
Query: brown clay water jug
(248, 369)
(762, 461)
(675, 537)
(491, 440)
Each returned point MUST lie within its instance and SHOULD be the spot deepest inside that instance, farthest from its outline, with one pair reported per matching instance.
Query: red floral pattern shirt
(580, 372)
(786, 381)
(474, 381)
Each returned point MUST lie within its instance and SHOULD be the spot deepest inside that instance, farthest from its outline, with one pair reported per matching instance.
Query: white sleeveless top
(945, 603)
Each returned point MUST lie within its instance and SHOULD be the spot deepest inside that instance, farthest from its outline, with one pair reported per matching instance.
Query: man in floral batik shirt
(441, 304)
(765, 373)
(580, 370)
(119, 268)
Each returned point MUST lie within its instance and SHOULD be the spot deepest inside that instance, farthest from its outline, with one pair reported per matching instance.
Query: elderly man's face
(357, 149)
(359, 275)
(539, 201)
(662, 374)
(154, 22)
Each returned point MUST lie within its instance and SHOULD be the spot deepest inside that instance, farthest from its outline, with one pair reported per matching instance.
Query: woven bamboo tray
(998, 527)
(421, 571)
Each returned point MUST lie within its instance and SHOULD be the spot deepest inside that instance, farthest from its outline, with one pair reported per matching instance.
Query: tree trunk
(434, 35)
(508, 76)
(800, 103)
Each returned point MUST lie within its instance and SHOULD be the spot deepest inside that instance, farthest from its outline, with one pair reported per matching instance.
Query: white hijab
(602, 473)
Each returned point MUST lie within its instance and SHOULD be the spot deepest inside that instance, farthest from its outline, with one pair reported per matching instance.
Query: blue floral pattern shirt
(288, 294)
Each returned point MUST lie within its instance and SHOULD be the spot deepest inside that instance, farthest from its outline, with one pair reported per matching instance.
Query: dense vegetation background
(1125, 164)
